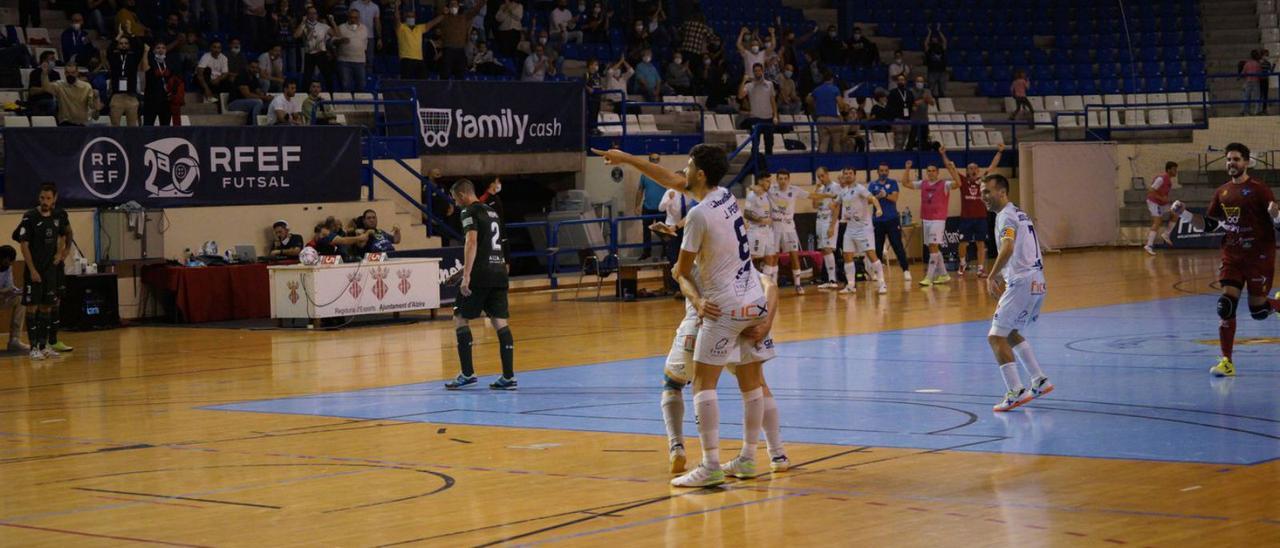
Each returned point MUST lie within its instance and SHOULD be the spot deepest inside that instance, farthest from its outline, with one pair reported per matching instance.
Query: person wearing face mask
(409, 42)
(679, 77)
(77, 100)
(752, 52)
(235, 56)
(537, 65)
(831, 50)
(919, 137)
(637, 41)
(455, 31)
(510, 19)
(861, 51)
(761, 99)
(371, 20)
(76, 44)
(485, 63)
(935, 61)
(40, 102)
(648, 78)
(564, 24)
(592, 82)
(788, 99)
(901, 100)
(164, 87)
(272, 64)
(898, 67)
(317, 55)
(616, 79)
(125, 61)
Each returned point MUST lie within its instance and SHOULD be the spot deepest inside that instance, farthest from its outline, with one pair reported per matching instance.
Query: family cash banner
(461, 117)
(182, 166)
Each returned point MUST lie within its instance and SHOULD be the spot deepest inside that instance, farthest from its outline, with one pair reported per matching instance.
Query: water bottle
(906, 217)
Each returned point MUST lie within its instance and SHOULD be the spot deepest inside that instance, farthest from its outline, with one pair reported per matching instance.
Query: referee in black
(484, 286)
(43, 236)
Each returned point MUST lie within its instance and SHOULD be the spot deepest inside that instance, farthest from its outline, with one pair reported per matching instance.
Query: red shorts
(1254, 272)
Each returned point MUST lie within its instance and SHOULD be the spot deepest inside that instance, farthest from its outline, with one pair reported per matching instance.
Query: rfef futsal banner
(462, 117)
(182, 166)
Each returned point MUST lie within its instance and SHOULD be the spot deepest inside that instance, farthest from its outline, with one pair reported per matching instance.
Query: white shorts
(820, 230)
(762, 242)
(1019, 305)
(935, 232)
(1157, 210)
(784, 232)
(720, 342)
(858, 239)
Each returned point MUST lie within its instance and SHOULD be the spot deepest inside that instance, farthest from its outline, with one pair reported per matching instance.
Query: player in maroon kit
(1247, 211)
(973, 213)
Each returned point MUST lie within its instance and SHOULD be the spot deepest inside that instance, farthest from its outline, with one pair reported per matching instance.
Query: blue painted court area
(1132, 382)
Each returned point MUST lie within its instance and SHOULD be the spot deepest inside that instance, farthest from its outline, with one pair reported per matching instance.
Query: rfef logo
(104, 167)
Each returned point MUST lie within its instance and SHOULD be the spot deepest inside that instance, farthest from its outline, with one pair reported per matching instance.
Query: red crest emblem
(404, 285)
(293, 291)
(380, 286)
(354, 281)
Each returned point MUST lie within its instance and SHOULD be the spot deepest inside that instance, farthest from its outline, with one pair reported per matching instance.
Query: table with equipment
(213, 293)
(353, 289)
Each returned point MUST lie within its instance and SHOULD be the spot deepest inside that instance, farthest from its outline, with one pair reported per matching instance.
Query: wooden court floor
(113, 445)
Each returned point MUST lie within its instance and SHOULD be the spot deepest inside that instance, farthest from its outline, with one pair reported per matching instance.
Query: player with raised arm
(1246, 211)
(825, 193)
(1017, 278)
(784, 197)
(934, 196)
(973, 214)
(856, 207)
(1158, 206)
(759, 216)
(728, 297)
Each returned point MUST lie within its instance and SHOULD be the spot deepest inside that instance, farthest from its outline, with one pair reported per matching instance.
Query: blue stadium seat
(1068, 87)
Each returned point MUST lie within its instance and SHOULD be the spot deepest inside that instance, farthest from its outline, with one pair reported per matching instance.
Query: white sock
(772, 271)
(772, 430)
(752, 421)
(673, 416)
(1028, 359)
(797, 275)
(1151, 238)
(866, 266)
(1011, 380)
(851, 273)
(707, 407)
(940, 267)
(878, 268)
(830, 261)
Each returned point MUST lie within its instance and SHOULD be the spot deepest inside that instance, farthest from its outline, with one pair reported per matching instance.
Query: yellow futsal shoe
(1224, 368)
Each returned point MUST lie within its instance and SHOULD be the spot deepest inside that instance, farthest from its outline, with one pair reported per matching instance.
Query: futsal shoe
(740, 468)
(1040, 386)
(460, 381)
(849, 289)
(906, 276)
(503, 383)
(17, 345)
(963, 268)
(829, 285)
(982, 271)
(1013, 399)
(700, 477)
(799, 289)
(926, 282)
(1149, 250)
(779, 463)
(1224, 368)
(1165, 236)
(942, 279)
(36, 355)
(50, 353)
(882, 289)
(61, 347)
(676, 457)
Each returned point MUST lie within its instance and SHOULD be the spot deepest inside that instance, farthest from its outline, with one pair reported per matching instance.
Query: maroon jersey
(1241, 208)
(971, 206)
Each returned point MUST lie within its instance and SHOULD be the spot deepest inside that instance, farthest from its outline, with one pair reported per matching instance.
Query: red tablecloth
(214, 293)
(784, 260)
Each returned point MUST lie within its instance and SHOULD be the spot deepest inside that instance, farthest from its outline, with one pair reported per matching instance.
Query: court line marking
(99, 535)
(177, 497)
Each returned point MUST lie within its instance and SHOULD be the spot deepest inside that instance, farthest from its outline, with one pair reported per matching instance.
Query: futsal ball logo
(175, 168)
(104, 168)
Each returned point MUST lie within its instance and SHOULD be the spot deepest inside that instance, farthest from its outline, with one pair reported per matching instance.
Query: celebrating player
(824, 195)
(973, 214)
(856, 206)
(784, 197)
(1018, 279)
(484, 286)
(759, 217)
(1158, 205)
(1246, 210)
(677, 373)
(728, 297)
(934, 195)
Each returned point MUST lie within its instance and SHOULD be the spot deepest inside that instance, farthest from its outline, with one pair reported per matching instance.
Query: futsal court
(216, 437)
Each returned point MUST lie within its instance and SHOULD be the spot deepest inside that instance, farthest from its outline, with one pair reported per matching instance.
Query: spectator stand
(638, 131)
